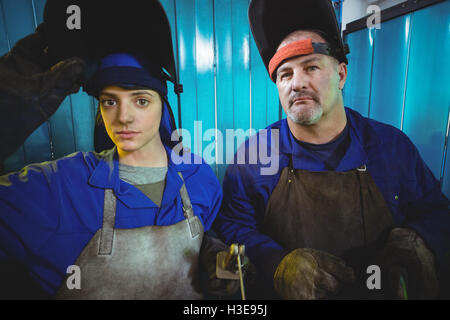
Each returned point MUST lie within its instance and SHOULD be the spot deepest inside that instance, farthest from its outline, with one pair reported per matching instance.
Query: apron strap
(188, 211)
(109, 217)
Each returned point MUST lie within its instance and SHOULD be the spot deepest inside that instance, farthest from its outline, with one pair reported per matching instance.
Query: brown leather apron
(152, 262)
(342, 213)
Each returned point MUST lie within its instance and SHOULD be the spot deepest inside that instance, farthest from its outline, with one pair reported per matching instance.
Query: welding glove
(31, 88)
(209, 251)
(406, 255)
(310, 274)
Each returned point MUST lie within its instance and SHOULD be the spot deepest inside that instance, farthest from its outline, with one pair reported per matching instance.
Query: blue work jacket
(50, 211)
(409, 188)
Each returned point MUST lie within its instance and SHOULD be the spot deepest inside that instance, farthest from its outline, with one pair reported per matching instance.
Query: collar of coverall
(294, 49)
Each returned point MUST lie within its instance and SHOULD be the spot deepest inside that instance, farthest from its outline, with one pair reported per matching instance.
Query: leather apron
(341, 213)
(152, 262)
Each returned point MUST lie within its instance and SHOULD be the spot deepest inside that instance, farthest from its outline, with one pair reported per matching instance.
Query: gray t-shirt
(150, 180)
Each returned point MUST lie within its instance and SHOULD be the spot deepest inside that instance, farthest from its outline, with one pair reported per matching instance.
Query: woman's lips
(127, 134)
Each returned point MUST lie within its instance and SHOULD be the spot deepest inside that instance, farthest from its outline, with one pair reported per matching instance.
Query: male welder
(350, 193)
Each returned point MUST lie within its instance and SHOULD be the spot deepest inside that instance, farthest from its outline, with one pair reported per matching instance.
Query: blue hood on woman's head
(130, 71)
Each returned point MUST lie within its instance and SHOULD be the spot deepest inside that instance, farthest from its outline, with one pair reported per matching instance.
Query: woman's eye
(108, 103)
(142, 102)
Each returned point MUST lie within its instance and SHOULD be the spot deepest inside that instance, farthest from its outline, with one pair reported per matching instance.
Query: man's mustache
(303, 93)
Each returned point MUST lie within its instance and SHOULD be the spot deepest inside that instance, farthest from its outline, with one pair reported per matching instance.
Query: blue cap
(125, 69)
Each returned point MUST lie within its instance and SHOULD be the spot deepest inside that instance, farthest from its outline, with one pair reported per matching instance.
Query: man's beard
(305, 114)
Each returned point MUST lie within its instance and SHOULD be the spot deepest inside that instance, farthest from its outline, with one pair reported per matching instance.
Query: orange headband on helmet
(296, 48)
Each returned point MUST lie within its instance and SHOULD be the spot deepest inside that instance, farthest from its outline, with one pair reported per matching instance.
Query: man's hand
(310, 274)
(31, 89)
(407, 267)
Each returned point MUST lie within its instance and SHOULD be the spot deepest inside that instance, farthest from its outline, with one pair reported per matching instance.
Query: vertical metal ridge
(444, 153)
(371, 71)
(232, 65)
(177, 61)
(250, 75)
(73, 124)
(6, 27)
(405, 86)
(216, 126)
(199, 152)
(34, 13)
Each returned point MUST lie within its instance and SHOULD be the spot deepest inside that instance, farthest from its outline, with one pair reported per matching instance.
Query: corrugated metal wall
(398, 74)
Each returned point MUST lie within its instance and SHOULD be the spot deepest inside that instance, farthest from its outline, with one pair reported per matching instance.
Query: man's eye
(142, 102)
(284, 75)
(108, 103)
(312, 68)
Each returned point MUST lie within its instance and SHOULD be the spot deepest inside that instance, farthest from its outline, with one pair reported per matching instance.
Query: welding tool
(229, 265)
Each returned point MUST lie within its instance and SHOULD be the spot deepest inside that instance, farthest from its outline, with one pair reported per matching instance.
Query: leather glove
(406, 255)
(209, 251)
(31, 89)
(310, 274)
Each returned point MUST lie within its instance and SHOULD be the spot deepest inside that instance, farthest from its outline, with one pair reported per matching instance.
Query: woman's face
(131, 117)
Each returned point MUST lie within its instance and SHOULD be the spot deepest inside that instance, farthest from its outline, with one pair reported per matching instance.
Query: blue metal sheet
(169, 8)
(445, 172)
(4, 41)
(259, 104)
(241, 65)
(204, 56)
(357, 88)
(224, 81)
(83, 111)
(265, 108)
(39, 6)
(389, 71)
(186, 26)
(63, 137)
(428, 91)
(273, 103)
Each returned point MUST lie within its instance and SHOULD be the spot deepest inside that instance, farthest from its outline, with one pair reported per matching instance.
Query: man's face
(309, 86)
(131, 117)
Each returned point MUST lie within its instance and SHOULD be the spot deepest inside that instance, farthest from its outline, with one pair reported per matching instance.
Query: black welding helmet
(93, 29)
(271, 21)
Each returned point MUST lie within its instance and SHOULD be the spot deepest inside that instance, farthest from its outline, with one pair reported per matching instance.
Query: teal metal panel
(39, 6)
(445, 173)
(273, 103)
(63, 136)
(259, 103)
(224, 78)
(389, 71)
(83, 110)
(4, 41)
(186, 27)
(428, 91)
(265, 108)
(204, 50)
(357, 88)
(240, 65)
(169, 7)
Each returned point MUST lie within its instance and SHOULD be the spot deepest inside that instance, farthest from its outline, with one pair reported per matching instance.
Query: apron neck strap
(188, 211)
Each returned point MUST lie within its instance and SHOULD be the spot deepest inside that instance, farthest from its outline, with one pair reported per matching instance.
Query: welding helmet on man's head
(271, 21)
